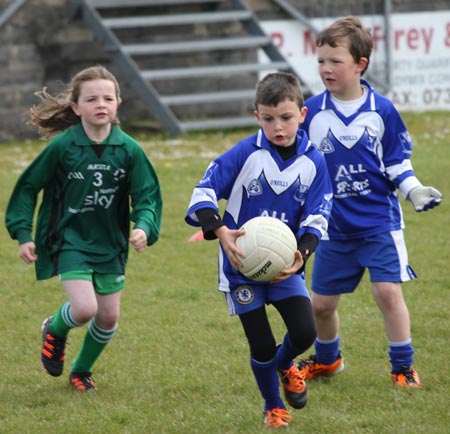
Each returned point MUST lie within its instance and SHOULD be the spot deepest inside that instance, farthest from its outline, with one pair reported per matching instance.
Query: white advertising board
(420, 56)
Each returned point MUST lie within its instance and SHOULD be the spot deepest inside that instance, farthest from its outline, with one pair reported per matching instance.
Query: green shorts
(104, 284)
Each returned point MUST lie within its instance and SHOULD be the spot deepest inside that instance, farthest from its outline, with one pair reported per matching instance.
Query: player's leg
(298, 316)
(262, 352)
(336, 271)
(389, 298)
(100, 332)
(387, 270)
(249, 303)
(327, 360)
(326, 315)
(74, 313)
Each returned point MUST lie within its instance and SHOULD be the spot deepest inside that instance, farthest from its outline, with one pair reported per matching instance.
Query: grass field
(179, 363)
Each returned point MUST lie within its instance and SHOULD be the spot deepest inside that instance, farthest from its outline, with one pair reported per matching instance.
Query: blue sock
(286, 353)
(327, 352)
(266, 376)
(401, 354)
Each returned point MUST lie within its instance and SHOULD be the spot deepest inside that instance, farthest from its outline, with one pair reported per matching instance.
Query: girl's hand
(288, 272)
(26, 252)
(138, 240)
(227, 238)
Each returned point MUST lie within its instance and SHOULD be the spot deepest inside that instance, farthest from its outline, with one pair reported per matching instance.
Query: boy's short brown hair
(277, 87)
(350, 28)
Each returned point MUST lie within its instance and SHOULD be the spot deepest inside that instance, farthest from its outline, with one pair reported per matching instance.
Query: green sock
(95, 341)
(63, 321)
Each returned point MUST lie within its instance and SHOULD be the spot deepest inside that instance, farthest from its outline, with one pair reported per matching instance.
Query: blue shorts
(340, 265)
(246, 298)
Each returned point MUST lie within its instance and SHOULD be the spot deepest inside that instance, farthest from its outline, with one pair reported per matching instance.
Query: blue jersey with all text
(255, 181)
(368, 157)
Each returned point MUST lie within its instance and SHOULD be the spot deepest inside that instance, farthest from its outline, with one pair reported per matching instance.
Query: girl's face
(97, 104)
(339, 71)
(280, 123)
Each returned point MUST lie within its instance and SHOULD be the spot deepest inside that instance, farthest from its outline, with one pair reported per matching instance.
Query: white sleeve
(408, 184)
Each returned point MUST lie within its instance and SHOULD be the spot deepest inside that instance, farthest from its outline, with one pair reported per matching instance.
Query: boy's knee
(84, 313)
(263, 353)
(304, 338)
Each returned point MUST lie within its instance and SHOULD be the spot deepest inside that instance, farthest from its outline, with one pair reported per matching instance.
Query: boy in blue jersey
(276, 172)
(367, 149)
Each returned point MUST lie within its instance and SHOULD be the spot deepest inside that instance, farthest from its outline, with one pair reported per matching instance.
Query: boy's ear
(303, 112)
(362, 64)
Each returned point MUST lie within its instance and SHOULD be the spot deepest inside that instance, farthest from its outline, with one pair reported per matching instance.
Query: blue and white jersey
(255, 181)
(368, 157)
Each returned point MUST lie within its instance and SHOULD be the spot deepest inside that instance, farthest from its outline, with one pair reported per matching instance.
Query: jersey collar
(302, 141)
(81, 139)
(368, 105)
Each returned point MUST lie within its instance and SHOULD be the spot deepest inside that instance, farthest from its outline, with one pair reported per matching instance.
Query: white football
(269, 246)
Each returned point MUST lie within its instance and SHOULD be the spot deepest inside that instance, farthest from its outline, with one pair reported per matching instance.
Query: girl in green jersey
(89, 172)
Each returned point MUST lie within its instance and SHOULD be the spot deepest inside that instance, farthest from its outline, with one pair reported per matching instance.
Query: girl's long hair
(54, 113)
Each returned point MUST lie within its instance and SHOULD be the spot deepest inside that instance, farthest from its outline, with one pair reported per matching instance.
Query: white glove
(424, 198)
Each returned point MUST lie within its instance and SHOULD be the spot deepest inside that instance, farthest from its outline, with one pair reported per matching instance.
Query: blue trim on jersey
(255, 181)
(368, 157)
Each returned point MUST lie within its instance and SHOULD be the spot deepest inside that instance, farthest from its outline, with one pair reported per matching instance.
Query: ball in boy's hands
(269, 246)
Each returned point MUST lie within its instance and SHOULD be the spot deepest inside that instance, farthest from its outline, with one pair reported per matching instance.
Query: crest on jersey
(326, 146)
(244, 294)
(300, 193)
(119, 174)
(254, 188)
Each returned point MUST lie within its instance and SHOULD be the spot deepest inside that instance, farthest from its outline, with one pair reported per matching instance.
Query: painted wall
(420, 46)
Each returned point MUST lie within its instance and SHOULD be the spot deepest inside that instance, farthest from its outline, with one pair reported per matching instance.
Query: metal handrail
(10, 10)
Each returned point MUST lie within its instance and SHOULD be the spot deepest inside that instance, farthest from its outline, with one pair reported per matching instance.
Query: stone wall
(21, 71)
(40, 47)
(36, 45)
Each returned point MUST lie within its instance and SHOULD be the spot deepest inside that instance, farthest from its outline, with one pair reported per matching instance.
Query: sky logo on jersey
(102, 200)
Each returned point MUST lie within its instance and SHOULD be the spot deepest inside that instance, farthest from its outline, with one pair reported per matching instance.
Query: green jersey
(86, 201)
